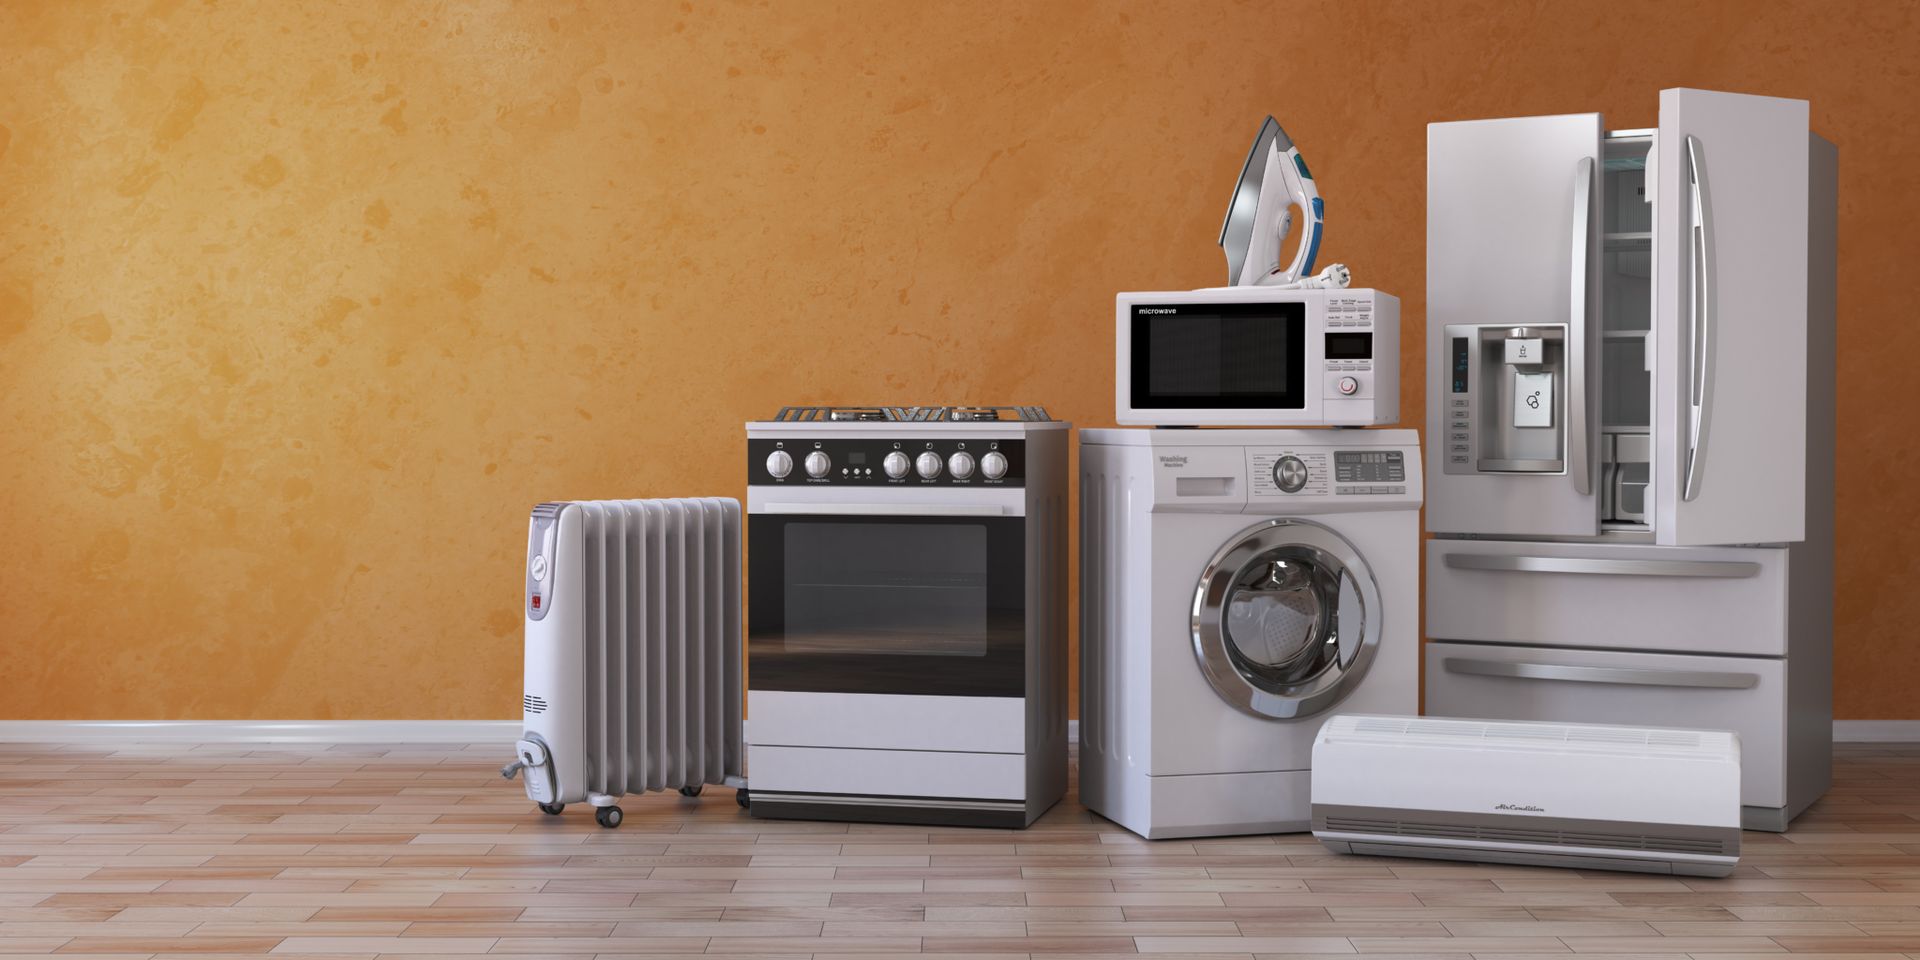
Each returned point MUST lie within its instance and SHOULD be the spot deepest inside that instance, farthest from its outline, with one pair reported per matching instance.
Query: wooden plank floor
(179, 851)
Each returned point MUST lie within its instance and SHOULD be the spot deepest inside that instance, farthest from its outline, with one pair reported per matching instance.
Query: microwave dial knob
(818, 463)
(960, 465)
(779, 464)
(1290, 474)
(928, 464)
(896, 464)
(993, 466)
(1349, 386)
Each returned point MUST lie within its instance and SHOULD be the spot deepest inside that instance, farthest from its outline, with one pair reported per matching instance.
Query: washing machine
(1238, 587)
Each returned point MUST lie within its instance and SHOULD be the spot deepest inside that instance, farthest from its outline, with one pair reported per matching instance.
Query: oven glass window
(1220, 356)
(922, 605)
(893, 589)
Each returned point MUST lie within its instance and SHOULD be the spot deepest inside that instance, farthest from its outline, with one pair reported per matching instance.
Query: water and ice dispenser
(1507, 405)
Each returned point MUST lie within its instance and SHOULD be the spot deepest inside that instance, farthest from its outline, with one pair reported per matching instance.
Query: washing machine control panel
(1287, 472)
(1375, 476)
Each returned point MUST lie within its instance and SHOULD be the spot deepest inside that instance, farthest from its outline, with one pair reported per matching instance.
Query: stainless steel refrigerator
(1630, 428)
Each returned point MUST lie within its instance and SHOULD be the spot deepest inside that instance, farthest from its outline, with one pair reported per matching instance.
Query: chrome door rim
(1217, 579)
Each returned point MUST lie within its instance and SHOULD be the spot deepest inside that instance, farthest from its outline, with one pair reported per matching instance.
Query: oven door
(905, 599)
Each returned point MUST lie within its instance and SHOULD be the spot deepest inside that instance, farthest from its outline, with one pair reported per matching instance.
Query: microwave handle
(1702, 314)
(886, 509)
(1581, 410)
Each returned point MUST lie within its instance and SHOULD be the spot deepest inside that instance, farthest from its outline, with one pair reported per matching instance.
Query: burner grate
(913, 414)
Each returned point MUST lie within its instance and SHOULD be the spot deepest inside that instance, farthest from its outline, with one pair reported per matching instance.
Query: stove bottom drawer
(888, 773)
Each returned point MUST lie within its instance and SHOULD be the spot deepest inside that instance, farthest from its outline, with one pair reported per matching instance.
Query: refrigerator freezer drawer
(1729, 600)
(1745, 695)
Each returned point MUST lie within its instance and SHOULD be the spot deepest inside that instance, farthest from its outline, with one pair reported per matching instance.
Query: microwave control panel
(919, 461)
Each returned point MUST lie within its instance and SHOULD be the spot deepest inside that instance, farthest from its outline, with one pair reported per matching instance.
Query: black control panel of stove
(892, 462)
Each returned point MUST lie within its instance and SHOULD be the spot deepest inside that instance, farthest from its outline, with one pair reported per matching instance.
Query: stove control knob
(896, 465)
(1290, 474)
(1349, 386)
(779, 464)
(960, 465)
(818, 463)
(928, 464)
(993, 466)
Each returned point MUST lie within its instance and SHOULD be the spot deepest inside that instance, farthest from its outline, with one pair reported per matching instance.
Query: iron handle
(1702, 317)
(1577, 324)
(1717, 569)
(1623, 676)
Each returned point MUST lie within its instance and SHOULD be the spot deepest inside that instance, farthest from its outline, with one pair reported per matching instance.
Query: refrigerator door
(1512, 312)
(1730, 319)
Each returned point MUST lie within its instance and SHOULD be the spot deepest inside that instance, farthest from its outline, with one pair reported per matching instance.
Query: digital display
(856, 458)
(1459, 364)
(1219, 356)
(1349, 346)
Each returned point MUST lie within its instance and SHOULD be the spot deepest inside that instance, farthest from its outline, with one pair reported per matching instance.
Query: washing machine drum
(1285, 619)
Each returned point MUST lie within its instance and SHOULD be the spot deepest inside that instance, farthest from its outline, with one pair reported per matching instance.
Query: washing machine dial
(1290, 474)
(818, 463)
(896, 465)
(993, 466)
(928, 464)
(779, 464)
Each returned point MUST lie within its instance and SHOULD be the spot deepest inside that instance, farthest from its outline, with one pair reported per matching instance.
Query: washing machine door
(1286, 619)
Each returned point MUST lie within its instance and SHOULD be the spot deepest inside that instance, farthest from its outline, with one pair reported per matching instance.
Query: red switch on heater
(536, 601)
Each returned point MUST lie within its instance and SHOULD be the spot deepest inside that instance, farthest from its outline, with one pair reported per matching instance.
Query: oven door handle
(887, 509)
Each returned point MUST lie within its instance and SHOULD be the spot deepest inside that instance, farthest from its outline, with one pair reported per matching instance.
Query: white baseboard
(503, 732)
(1876, 731)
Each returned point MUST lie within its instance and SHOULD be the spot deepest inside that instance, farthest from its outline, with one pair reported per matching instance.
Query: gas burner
(913, 414)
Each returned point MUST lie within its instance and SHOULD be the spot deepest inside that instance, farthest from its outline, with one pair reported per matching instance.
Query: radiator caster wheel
(740, 797)
(689, 791)
(552, 809)
(608, 817)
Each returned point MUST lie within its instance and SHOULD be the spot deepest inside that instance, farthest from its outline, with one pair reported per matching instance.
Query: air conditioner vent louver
(533, 704)
(1512, 834)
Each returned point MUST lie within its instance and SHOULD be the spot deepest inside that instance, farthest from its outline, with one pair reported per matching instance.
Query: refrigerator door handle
(1718, 569)
(1702, 317)
(1577, 322)
(1624, 676)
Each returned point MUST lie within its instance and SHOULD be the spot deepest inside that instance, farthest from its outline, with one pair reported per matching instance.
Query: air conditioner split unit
(1569, 795)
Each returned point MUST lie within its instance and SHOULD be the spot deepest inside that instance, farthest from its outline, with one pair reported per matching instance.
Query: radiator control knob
(960, 465)
(818, 463)
(993, 466)
(928, 464)
(779, 464)
(896, 465)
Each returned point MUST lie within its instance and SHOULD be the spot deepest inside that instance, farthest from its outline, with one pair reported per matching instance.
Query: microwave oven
(1252, 356)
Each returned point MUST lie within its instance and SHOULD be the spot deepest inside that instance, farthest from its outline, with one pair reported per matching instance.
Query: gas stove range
(906, 578)
(919, 413)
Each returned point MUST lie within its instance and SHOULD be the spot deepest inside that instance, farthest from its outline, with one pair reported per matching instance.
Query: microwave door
(1513, 236)
(1731, 336)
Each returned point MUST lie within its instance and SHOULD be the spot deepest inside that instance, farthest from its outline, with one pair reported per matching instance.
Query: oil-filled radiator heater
(633, 669)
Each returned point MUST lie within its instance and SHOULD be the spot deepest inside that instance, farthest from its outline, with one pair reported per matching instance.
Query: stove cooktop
(913, 414)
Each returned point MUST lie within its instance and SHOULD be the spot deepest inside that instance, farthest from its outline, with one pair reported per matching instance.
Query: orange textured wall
(303, 305)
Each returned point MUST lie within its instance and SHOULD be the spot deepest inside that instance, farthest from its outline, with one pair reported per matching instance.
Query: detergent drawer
(1747, 695)
(1727, 600)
